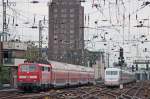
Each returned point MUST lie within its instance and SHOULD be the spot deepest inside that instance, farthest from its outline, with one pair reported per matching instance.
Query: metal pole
(4, 23)
(108, 59)
(40, 38)
(121, 77)
(121, 64)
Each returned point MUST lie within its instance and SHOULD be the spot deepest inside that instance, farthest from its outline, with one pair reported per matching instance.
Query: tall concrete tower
(66, 35)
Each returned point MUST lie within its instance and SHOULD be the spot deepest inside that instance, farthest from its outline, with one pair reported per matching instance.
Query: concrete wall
(14, 45)
(13, 75)
(19, 53)
(99, 70)
(15, 62)
(19, 61)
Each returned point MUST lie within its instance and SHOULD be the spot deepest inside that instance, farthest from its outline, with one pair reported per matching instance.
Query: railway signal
(136, 67)
(121, 57)
(133, 68)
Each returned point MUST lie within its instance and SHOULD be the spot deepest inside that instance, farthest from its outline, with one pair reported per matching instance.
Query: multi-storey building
(66, 33)
(12, 53)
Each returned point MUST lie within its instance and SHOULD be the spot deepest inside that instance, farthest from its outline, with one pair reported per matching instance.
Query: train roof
(113, 68)
(70, 67)
(64, 66)
(35, 64)
(117, 69)
(58, 65)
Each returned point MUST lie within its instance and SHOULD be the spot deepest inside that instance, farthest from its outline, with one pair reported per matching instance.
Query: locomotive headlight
(22, 77)
(33, 77)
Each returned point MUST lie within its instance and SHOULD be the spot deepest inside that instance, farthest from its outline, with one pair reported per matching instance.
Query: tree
(4, 75)
(32, 52)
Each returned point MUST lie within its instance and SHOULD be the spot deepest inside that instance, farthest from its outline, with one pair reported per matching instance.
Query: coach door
(50, 70)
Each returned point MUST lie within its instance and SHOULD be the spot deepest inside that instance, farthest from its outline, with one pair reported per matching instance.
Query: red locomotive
(35, 76)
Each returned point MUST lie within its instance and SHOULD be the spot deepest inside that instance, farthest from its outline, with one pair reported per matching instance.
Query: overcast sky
(103, 12)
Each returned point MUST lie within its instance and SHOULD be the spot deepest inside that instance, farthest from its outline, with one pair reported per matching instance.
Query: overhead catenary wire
(17, 15)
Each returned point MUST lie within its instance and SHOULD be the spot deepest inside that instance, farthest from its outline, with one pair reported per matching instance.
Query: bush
(4, 75)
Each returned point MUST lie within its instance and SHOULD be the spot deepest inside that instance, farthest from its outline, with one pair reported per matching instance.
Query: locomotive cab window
(24, 68)
(32, 68)
(111, 73)
(27, 68)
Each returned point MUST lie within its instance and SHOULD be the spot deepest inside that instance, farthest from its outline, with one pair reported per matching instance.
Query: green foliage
(4, 75)
(92, 56)
(0, 67)
(32, 53)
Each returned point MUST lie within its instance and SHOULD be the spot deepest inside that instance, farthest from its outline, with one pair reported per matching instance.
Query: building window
(71, 36)
(55, 51)
(62, 26)
(62, 46)
(70, 3)
(55, 36)
(64, 15)
(55, 10)
(71, 20)
(77, 2)
(64, 21)
(64, 3)
(55, 47)
(72, 41)
(55, 41)
(64, 10)
(55, 27)
(71, 31)
(55, 31)
(55, 15)
(71, 46)
(71, 15)
(64, 31)
(71, 26)
(71, 10)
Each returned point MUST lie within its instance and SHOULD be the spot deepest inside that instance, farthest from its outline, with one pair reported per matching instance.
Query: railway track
(139, 90)
(10, 95)
(92, 92)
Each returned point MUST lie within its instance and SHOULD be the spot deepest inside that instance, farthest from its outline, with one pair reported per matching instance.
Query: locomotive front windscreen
(27, 68)
(111, 73)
